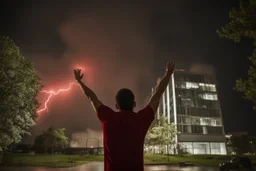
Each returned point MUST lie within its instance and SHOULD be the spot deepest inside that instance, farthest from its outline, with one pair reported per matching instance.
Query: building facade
(191, 102)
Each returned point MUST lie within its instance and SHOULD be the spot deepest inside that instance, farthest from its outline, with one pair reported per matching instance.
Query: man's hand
(88, 92)
(155, 99)
(170, 66)
(78, 75)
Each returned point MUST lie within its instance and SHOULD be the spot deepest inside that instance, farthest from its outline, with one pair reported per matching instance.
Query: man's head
(125, 99)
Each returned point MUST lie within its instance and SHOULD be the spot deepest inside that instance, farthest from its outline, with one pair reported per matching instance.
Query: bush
(181, 150)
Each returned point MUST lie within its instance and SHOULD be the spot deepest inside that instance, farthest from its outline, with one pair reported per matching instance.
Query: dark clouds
(113, 45)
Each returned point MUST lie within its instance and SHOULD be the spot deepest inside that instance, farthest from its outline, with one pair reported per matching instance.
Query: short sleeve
(105, 113)
(147, 114)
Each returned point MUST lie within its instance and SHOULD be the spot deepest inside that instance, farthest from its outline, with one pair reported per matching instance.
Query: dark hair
(125, 99)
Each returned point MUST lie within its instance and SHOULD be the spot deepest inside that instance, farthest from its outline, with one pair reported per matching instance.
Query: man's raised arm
(96, 103)
(154, 101)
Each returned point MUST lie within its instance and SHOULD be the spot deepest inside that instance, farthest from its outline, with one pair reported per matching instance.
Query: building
(191, 102)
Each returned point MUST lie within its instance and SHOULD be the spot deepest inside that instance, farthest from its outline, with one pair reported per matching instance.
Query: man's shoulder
(147, 113)
(146, 109)
(105, 113)
(105, 108)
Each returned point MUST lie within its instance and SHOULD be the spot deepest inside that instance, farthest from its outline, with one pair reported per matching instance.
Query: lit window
(216, 122)
(187, 102)
(210, 121)
(208, 96)
(190, 85)
(189, 130)
(205, 130)
(188, 146)
(204, 121)
(180, 85)
(187, 120)
(211, 96)
(201, 148)
(218, 148)
(207, 87)
(195, 121)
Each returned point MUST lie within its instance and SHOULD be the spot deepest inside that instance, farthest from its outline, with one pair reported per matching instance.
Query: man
(124, 131)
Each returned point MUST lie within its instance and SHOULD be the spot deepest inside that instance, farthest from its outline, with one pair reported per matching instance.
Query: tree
(18, 90)
(51, 139)
(240, 144)
(39, 144)
(181, 149)
(162, 134)
(230, 150)
(243, 24)
(252, 141)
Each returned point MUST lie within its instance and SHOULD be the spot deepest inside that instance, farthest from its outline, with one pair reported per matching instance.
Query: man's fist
(170, 66)
(78, 75)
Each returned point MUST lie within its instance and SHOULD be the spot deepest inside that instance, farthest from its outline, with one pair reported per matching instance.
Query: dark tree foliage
(243, 24)
(51, 139)
(240, 144)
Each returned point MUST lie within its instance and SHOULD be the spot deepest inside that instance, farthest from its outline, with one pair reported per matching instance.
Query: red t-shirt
(123, 134)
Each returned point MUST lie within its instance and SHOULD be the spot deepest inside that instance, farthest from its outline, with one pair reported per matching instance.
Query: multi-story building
(191, 102)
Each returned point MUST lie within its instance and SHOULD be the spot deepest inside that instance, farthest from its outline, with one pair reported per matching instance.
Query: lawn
(206, 160)
(61, 160)
(48, 160)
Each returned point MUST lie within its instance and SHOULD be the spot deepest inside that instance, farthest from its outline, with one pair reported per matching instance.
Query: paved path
(98, 166)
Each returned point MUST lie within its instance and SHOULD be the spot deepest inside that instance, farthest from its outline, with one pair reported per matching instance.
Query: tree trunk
(168, 152)
(1, 157)
(4, 157)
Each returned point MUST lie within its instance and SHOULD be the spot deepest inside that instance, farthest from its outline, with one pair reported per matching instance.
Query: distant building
(191, 102)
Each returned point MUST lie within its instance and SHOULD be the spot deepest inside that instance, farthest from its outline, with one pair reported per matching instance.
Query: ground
(62, 160)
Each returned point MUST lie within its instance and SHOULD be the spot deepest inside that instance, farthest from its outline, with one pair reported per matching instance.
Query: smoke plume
(203, 69)
(88, 138)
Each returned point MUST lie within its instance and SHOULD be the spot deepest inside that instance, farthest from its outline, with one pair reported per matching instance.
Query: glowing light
(80, 67)
(53, 93)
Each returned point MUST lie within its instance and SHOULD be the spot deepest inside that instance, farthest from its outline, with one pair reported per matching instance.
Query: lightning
(54, 93)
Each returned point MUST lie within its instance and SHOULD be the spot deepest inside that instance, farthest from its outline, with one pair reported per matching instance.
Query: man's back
(124, 133)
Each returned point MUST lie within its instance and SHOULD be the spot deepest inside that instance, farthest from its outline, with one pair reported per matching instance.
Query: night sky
(125, 45)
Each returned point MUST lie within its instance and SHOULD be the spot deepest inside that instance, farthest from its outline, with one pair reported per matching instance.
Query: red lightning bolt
(53, 93)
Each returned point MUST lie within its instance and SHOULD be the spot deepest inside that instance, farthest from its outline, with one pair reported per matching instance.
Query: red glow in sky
(53, 93)
(79, 66)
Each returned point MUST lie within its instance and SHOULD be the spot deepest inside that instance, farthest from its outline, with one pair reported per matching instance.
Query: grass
(48, 160)
(62, 160)
(203, 160)
(195, 159)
